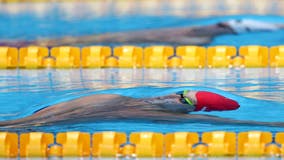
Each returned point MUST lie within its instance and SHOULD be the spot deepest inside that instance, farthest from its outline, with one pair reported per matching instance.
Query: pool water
(259, 92)
(53, 21)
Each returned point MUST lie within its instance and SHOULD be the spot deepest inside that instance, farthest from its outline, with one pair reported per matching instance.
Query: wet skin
(191, 35)
(98, 108)
(181, 35)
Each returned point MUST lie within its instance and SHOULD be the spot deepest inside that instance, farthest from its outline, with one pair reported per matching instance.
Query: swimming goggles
(184, 99)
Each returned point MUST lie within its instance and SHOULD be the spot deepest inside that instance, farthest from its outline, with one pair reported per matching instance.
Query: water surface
(259, 91)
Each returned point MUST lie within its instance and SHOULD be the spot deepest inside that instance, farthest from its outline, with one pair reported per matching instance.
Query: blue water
(259, 91)
(55, 23)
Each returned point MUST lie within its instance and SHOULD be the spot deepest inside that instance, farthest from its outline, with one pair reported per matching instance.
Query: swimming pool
(32, 21)
(23, 91)
(258, 91)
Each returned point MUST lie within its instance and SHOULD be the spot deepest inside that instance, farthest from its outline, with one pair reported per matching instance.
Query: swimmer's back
(87, 101)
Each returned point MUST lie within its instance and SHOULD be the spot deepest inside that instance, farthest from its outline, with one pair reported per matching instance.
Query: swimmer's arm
(181, 108)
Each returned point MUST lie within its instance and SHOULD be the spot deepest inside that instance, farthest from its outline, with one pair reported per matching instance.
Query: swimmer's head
(249, 25)
(207, 101)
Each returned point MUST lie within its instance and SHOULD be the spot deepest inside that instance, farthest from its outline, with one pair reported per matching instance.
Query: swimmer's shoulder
(105, 97)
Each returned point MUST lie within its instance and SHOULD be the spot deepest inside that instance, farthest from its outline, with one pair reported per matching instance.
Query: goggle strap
(187, 99)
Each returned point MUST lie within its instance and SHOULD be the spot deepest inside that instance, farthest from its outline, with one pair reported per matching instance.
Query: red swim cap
(209, 101)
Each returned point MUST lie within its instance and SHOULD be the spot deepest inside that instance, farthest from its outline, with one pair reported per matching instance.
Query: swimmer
(111, 107)
(199, 35)
(103, 107)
